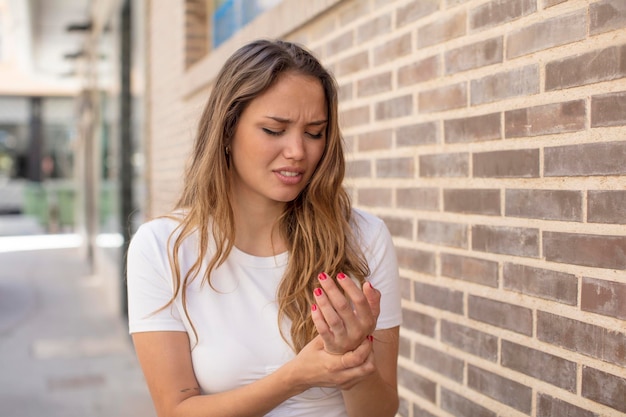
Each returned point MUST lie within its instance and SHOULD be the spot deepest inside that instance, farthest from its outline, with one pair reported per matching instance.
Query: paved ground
(64, 348)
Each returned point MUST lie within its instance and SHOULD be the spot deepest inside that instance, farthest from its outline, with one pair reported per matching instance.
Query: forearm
(372, 397)
(255, 399)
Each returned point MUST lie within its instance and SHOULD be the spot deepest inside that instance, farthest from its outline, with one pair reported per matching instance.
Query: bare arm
(343, 321)
(166, 363)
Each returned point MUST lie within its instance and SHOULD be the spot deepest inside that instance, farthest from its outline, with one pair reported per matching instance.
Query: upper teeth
(288, 173)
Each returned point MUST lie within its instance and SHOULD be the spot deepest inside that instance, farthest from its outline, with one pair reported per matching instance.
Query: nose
(294, 147)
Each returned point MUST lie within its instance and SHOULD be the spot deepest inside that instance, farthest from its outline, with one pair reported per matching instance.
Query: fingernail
(371, 286)
(322, 276)
(341, 275)
(314, 307)
(371, 338)
(317, 292)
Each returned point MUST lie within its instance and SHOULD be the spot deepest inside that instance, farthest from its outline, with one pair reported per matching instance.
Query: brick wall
(490, 135)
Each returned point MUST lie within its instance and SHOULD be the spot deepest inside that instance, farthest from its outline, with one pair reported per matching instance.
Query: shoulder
(157, 232)
(367, 225)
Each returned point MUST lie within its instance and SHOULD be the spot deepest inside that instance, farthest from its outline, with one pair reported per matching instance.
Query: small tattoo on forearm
(190, 389)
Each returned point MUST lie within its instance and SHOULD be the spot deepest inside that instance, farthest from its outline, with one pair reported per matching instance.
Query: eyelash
(274, 133)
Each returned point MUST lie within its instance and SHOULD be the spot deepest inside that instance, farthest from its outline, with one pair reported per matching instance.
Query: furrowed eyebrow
(287, 121)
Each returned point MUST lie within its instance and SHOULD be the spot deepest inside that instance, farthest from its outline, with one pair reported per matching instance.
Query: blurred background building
(488, 134)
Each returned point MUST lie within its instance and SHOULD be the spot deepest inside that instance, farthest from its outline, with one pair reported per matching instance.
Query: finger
(366, 309)
(341, 303)
(333, 321)
(373, 298)
(320, 324)
(358, 356)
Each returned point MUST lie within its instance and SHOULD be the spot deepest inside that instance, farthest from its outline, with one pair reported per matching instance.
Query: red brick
(593, 67)
(374, 84)
(418, 72)
(604, 388)
(472, 201)
(439, 297)
(583, 338)
(497, 12)
(561, 205)
(418, 198)
(395, 168)
(500, 314)
(354, 63)
(606, 207)
(375, 197)
(417, 260)
(504, 390)
(358, 169)
(444, 165)
(478, 271)
(442, 233)
(607, 15)
(473, 129)
(598, 251)
(522, 163)
(514, 83)
(546, 34)
(443, 98)
(418, 134)
(540, 365)
(394, 108)
(354, 117)
(441, 30)
(415, 10)
(476, 55)
(608, 109)
(548, 406)
(469, 340)
(457, 405)
(417, 384)
(585, 159)
(418, 322)
(546, 119)
(393, 49)
(543, 283)
(378, 26)
(439, 362)
(405, 288)
(603, 297)
(340, 43)
(369, 141)
(516, 241)
(399, 227)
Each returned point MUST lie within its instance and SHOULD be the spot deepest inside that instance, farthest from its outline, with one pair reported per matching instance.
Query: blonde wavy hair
(317, 226)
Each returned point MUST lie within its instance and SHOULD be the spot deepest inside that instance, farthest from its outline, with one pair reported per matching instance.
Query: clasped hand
(344, 320)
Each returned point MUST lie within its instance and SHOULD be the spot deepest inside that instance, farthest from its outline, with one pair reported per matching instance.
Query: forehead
(292, 96)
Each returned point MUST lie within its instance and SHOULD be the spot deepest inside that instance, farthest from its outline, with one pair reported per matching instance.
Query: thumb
(373, 298)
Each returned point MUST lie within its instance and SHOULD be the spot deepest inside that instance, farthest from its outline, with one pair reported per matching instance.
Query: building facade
(490, 135)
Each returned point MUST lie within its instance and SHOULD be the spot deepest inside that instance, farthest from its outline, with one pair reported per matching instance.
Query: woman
(256, 296)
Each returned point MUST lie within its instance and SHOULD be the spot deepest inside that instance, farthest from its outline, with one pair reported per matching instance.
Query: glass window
(229, 16)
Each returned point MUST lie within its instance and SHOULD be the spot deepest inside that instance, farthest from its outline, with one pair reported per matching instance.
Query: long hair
(316, 226)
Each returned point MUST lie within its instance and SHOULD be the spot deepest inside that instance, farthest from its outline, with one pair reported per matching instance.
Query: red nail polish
(314, 307)
(341, 275)
(322, 276)
(317, 292)
(371, 338)
(371, 286)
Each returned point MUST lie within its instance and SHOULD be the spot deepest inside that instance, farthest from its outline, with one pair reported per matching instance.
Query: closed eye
(272, 132)
(315, 136)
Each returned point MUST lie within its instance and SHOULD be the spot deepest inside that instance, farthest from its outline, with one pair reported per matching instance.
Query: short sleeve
(384, 274)
(149, 282)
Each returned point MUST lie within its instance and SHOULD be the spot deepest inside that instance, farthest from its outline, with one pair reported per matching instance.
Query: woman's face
(278, 141)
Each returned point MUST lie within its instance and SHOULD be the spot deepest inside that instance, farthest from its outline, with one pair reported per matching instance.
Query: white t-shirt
(237, 321)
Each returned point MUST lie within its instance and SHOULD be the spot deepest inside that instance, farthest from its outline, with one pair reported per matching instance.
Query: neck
(256, 229)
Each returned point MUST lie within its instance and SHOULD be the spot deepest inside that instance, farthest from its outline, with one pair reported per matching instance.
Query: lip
(289, 175)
